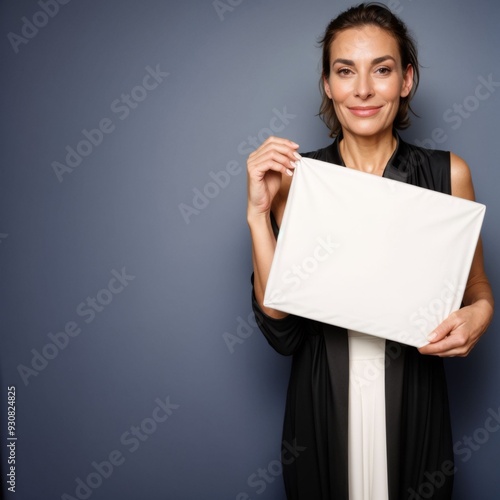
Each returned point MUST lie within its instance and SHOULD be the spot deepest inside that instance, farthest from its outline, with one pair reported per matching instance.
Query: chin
(367, 129)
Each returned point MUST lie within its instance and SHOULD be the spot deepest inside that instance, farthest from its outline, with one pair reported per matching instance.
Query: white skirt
(367, 448)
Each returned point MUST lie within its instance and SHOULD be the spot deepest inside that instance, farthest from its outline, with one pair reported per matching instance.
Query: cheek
(340, 90)
(391, 89)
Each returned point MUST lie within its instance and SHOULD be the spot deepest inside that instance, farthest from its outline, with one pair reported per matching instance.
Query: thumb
(443, 329)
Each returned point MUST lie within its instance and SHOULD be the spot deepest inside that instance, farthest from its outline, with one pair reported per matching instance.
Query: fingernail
(289, 172)
(295, 144)
(297, 155)
(431, 336)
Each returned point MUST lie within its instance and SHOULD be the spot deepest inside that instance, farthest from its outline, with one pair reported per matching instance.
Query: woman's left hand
(460, 331)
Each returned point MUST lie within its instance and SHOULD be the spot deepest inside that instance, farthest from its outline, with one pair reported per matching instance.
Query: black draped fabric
(419, 442)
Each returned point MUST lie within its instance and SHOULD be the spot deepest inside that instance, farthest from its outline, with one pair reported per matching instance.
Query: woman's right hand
(274, 157)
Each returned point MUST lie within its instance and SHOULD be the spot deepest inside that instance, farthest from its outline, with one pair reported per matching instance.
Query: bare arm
(459, 333)
(269, 167)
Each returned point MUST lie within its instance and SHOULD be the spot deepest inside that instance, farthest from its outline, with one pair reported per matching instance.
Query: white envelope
(371, 254)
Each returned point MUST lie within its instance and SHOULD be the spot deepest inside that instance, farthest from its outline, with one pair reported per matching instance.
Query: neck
(367, 154)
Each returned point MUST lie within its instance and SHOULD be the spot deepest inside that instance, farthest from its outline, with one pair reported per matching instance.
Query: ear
(407, 81)
(326, 86)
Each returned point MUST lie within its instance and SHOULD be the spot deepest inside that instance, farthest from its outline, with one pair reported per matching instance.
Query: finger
(271, 161)
(452, 322)
(259, 171)
(281, 154)
(461, 351)
(280, 140)
(457, 343)
(286, 168)
(284, 146)
(450, 345)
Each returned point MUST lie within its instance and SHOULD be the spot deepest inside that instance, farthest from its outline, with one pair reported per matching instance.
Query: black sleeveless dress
(419, 443)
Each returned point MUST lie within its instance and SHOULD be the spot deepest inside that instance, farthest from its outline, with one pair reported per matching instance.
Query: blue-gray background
(182, 327)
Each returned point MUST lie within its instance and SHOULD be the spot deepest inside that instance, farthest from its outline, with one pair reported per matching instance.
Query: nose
(364, 85)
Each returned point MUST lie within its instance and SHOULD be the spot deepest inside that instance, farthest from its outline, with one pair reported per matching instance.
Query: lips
(365, 111)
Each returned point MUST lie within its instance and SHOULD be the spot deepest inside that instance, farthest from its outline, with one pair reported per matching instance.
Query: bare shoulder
(461, 179)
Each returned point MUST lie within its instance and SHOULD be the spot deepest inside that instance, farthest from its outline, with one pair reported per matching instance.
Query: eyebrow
(350, 62)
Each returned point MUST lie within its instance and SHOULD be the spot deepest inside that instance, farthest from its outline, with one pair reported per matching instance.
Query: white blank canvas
(371, 254)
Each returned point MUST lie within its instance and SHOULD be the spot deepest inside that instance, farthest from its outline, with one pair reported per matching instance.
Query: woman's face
(366, 80)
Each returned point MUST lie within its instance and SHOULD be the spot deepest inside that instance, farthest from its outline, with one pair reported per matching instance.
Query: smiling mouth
(365, 111)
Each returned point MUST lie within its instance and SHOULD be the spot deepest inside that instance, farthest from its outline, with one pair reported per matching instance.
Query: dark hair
(375, 14)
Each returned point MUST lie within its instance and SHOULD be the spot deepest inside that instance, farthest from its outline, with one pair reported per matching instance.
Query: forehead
(366, 42)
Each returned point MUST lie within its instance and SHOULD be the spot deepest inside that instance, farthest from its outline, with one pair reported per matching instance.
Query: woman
(392, 439)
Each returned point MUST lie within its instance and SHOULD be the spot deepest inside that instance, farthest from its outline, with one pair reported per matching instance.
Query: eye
(344, 71)
(383, 70)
